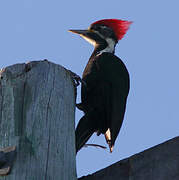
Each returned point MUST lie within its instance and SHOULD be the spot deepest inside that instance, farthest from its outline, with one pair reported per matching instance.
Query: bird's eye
(99, 27)
(96, 27)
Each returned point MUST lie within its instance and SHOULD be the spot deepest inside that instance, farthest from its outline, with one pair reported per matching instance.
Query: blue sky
(37, 29)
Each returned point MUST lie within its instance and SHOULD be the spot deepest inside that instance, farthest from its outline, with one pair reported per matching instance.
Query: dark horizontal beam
(160, 162)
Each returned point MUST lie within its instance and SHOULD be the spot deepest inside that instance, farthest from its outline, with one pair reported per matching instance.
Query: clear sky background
(37, 29)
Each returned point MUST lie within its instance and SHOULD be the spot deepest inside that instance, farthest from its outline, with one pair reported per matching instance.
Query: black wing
(104, 97)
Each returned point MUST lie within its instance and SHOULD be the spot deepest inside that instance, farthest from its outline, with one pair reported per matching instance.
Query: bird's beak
(88, 35)
(80, 32)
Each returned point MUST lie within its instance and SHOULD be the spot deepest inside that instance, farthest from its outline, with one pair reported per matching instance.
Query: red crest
(119, 27)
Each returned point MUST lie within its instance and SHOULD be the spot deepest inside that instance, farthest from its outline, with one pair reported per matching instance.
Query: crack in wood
(48, 105)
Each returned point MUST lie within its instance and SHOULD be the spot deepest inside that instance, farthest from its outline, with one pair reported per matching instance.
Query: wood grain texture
(37, 111)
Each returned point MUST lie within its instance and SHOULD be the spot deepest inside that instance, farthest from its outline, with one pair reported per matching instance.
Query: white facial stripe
(111, 43)
(99, 34)
(91, 41)
(111, 46)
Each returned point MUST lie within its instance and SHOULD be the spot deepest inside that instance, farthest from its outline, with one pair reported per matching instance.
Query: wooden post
(37, 111)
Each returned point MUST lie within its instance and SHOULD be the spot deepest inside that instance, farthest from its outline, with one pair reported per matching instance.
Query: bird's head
(106, 32)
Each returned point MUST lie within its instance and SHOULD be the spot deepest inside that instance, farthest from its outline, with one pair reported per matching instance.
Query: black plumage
(105, 84)
(104, 96)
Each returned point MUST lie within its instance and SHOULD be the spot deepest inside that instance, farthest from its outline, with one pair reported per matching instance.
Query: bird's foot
(80, 106)
(76, 78)
(7, 156)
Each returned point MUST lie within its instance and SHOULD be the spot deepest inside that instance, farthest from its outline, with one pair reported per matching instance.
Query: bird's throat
(109, 47)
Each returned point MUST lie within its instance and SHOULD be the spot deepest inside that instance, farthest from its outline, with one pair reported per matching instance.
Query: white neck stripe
(111, 46)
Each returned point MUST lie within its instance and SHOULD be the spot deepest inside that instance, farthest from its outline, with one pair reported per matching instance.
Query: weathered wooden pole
(37, 111)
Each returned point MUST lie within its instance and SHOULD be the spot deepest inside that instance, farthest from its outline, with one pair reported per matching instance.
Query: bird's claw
(76, 79)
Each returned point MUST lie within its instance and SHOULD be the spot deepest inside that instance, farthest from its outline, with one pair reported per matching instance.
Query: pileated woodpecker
(106, 83)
